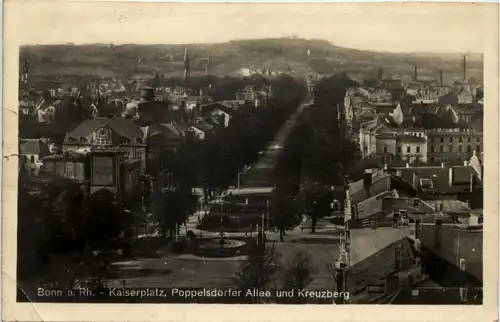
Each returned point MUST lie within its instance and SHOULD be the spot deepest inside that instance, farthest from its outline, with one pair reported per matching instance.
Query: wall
(413, 155)
(457, 146)
(389, 143)
(456, 244)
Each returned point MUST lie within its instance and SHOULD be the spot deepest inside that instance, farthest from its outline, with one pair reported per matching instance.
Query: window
(137, 154)
(101, 141)
(441, 148)
(399, 149)
(451, 140)
(418, 149)
(459, 148)
(432, 140)
(138, 141)
(442, 140)
(460, 139)
(385, 149)
(432, 159)
(478, 140)
(32, 159)
(432, 148)
(451, 148)
(478, 149)
(468, 139)
(32, 172)
(469, 148)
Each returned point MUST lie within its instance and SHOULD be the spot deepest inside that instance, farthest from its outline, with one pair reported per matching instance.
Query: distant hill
(283, 54)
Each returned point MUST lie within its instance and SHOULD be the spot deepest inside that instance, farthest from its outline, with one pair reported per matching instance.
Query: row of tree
(214, 163)
(317, 157)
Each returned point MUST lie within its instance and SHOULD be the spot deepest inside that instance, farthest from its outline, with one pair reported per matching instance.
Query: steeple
(187, 70)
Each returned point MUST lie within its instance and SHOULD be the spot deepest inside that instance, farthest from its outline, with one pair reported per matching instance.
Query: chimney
(417, 228)
(465, 68)
(367, 179)
(415, 180)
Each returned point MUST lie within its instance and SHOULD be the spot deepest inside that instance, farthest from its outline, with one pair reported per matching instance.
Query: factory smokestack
(465, 68)
(380, 73)
(415, 73)
(441, 77)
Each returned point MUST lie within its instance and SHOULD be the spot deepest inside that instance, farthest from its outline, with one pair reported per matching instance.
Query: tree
(283, 211)
(257, 271)
(297, 275)
(314, 200)
(170, 208)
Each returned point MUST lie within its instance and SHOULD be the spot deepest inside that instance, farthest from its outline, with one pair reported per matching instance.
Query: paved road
(260, 173)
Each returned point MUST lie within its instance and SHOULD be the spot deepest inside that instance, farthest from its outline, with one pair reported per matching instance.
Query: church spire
(187, 71)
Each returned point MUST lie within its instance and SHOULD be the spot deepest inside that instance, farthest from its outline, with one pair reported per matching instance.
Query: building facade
(453, 145)
(99, 169)
(103, 133)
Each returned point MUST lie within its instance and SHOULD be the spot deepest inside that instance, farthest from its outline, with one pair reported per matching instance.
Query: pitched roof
(216, 105)
(127, 128)
(440, 177)
(367, 242)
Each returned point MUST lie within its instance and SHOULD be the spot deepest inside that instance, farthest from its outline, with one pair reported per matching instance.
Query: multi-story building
(103, 133)
(412, 148)
(453, 145)
(98, 169)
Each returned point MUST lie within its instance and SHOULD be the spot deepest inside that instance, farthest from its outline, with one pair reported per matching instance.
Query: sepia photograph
(252, 154)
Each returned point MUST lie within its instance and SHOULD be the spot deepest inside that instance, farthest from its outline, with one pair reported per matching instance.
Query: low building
(31, 153)
(46, 111)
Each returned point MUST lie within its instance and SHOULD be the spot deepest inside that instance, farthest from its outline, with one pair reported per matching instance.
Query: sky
(409, 27)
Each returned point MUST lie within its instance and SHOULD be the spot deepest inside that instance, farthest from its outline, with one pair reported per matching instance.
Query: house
(26, 107)
(413, 88)
(412, 148)
(109, 132)
(46, 111)
(219, 110)
(164, 142)
(198, 133)
(31, 153)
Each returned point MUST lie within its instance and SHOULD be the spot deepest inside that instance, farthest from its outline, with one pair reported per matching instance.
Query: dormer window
(138, 141)
(82, 139)
(71, 140)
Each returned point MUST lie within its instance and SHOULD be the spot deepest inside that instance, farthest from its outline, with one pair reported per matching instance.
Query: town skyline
(381, 29)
